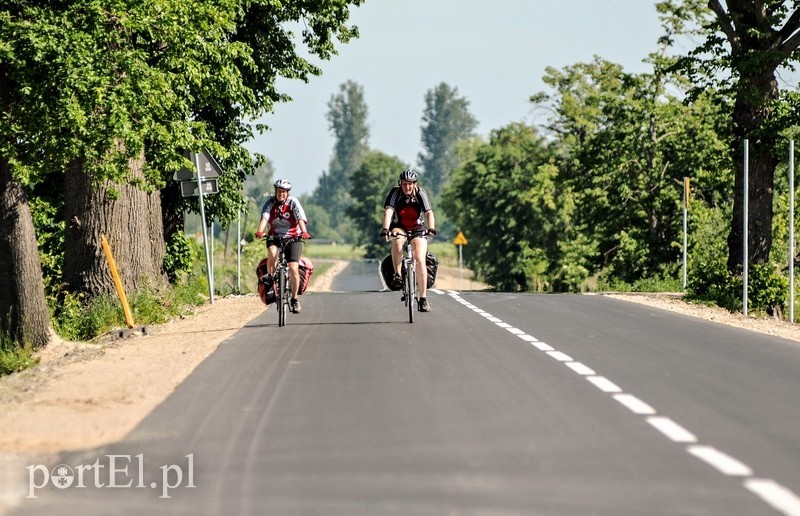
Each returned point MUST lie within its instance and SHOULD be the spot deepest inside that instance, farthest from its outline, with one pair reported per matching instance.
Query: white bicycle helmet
(283, 183)
(408, 175)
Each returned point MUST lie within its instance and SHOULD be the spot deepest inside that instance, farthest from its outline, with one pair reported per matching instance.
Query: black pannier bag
(432, 265)
(387, 270)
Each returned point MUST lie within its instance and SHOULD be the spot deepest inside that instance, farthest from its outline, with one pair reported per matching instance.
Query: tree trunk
(26, 319)
(749, 112)
(130, 219)
(171, 213)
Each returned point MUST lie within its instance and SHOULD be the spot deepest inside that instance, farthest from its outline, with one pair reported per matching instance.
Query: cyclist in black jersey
(408, 208)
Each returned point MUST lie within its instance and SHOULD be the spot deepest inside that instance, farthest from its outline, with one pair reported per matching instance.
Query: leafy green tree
(370, 184)
(745, 43)
(626, 145)
(347, 119)
(104, 98)
(446, 121)
(506, 200)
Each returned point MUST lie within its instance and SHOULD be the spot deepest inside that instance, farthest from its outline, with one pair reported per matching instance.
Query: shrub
(767, 288)
(14, 358)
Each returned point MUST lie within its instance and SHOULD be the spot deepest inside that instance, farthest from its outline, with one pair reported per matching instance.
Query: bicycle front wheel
(410, 286)
(282, 297)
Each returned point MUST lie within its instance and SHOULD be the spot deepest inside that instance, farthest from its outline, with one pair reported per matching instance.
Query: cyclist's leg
(420, 249)
(293, 253)
(294, 278)
(397, 254)
(272, 257)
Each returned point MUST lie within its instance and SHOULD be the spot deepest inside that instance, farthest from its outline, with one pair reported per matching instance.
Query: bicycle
(280, 280)
(408, 271)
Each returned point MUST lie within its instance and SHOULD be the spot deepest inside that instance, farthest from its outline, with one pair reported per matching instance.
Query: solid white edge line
(634, 404)
(561, 357)
(604, 384)
(780, 498)
(580, 368)
(723, 462)
(671, 429)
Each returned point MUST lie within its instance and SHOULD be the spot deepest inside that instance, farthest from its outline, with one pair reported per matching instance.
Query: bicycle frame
(282, 280)
(408, 272)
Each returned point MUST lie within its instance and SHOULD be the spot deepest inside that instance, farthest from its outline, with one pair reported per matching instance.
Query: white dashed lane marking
(672, 430)
(777, 496)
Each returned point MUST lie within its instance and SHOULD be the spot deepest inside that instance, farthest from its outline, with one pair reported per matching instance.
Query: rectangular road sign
(208, 166)
(189, 188)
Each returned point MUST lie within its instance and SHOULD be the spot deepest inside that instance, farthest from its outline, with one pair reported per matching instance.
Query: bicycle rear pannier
(432, 264)
(306, 270)
(387, 273)
(266, 286)
(387, 270)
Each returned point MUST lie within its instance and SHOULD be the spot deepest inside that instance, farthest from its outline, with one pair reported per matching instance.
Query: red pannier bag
(266, 287)
(306, 270)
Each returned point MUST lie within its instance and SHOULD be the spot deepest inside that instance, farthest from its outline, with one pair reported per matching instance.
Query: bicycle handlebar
(410, 235)
(283, 239)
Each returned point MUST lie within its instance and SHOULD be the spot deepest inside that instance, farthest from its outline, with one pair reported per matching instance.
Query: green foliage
(446, 121)
(711, 282)
(742, 48)
(505, 199)
(180, 256)
(626, 146)
(347, 119)
(97, 85)
(320, 223)
(767, 289)
(14, 358)
(74, 318)
(50, 237)
(654, 284)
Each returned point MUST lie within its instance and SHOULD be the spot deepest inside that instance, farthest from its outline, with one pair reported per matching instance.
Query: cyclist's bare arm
(430, 219)
(387, 217)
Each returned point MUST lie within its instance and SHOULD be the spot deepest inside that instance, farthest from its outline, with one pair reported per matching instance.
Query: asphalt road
(490, 404)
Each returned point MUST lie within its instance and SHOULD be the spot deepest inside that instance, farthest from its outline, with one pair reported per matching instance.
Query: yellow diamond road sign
(460, 239)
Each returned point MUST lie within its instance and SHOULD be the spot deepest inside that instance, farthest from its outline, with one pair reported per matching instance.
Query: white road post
(745, 236)
(791, 231)
(209, 272)
(685, 227)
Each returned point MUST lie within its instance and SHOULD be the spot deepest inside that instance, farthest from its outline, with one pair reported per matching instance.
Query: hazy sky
(494, 52)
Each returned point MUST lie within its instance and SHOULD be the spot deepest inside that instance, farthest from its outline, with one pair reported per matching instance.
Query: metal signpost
(201, 181)
(791, 231)
(685, 226)
(745, 258)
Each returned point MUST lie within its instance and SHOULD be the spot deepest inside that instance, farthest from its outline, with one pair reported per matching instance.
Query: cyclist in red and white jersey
(285, 217)
(408, 207)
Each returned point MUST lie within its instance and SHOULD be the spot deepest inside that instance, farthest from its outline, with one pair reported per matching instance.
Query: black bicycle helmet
(408, 175)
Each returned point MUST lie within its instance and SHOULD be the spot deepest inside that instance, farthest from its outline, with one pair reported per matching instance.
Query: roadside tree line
(98, 102)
